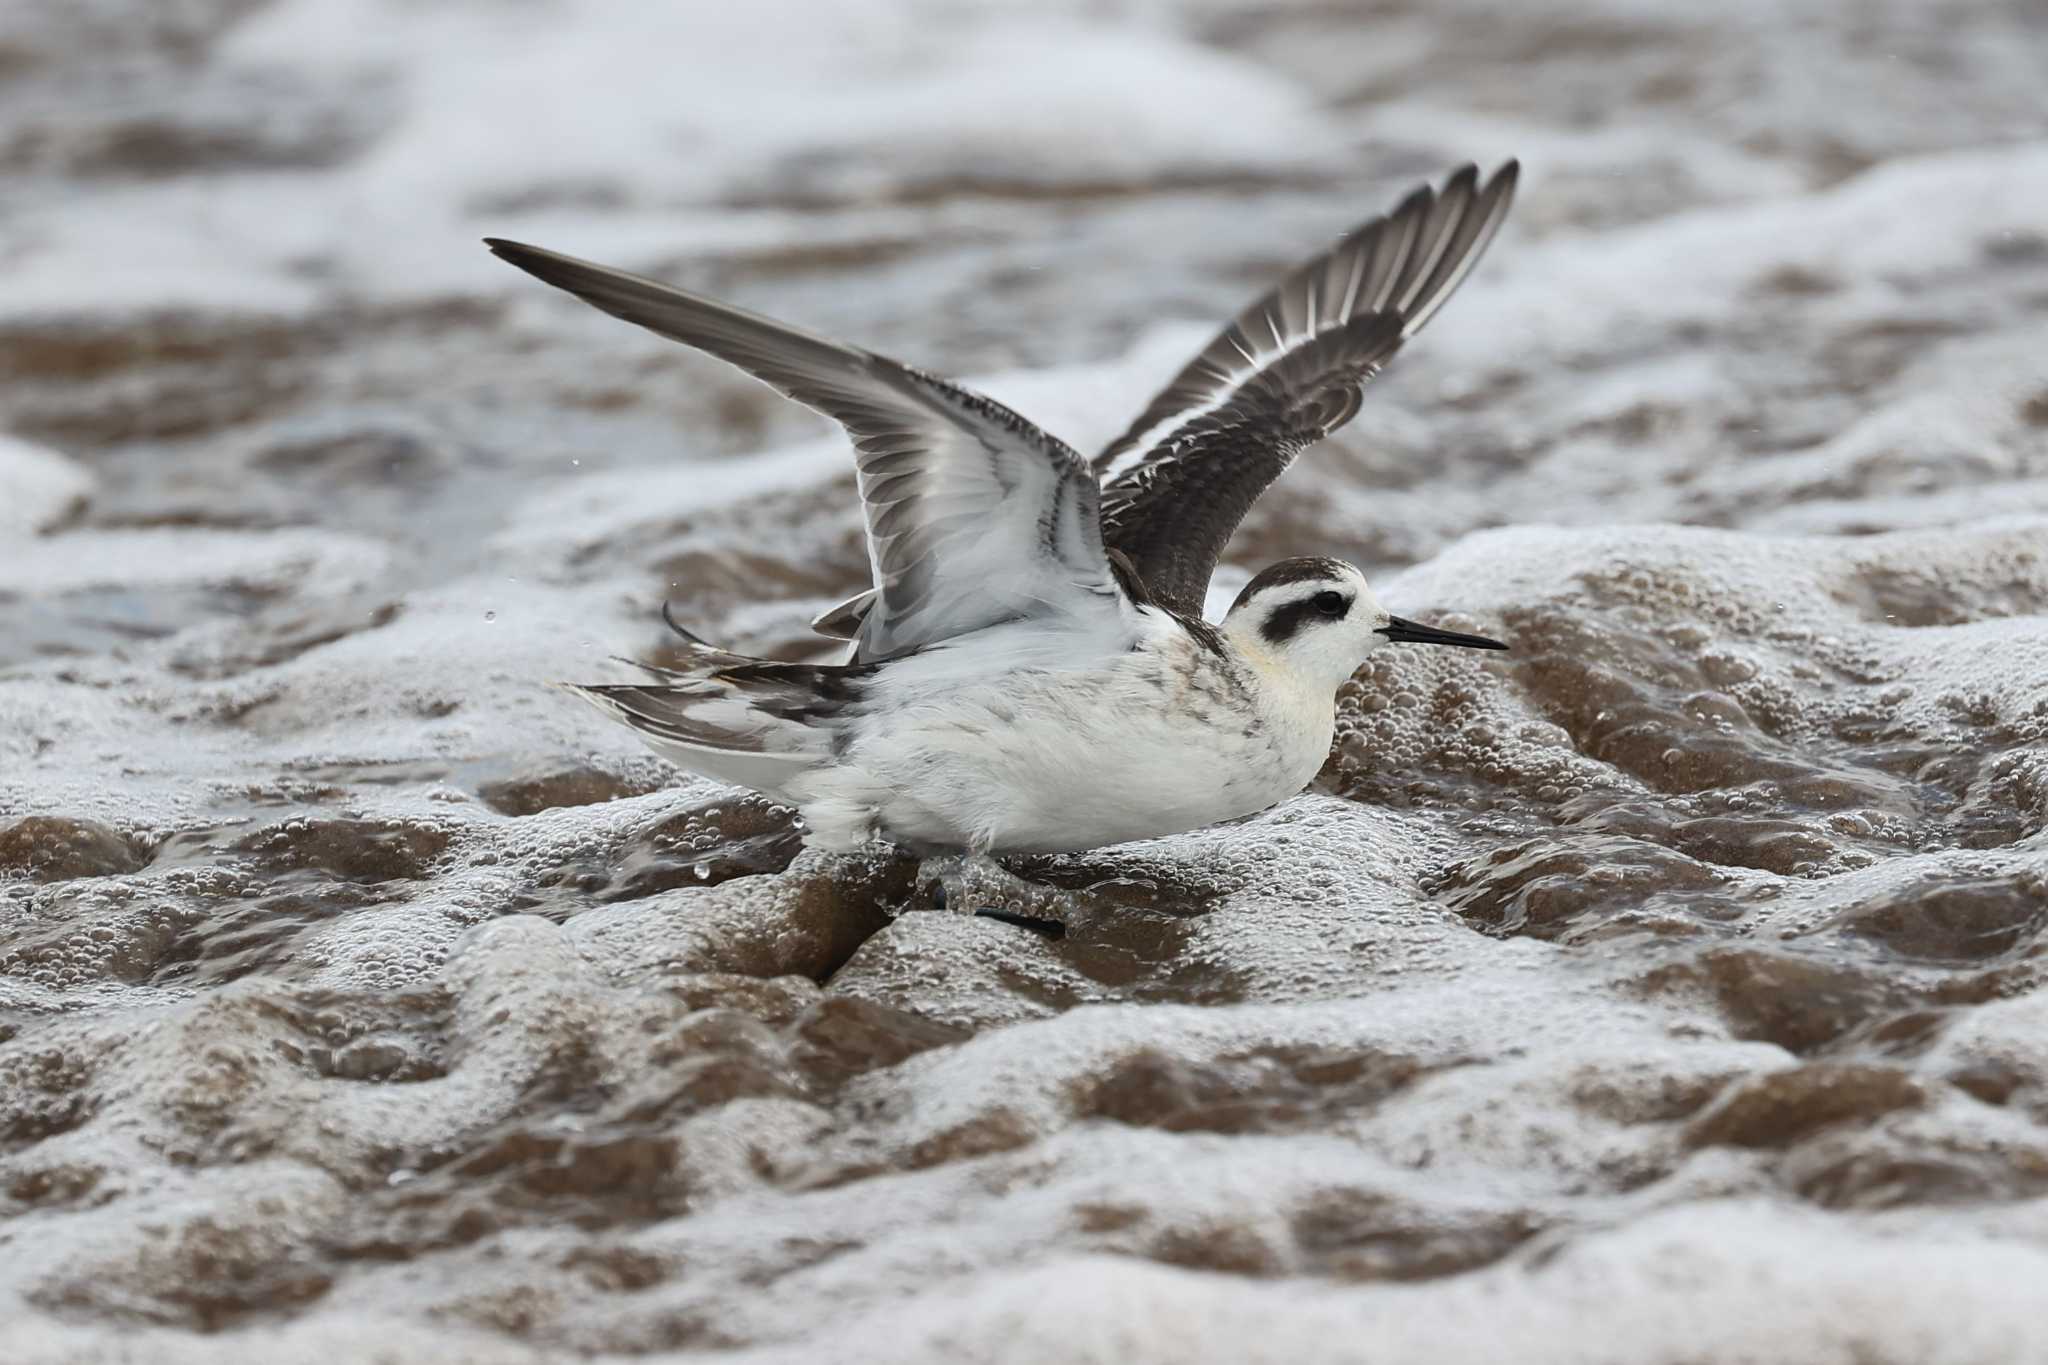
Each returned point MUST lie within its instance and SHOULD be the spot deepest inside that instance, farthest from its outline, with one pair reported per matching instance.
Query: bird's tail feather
(708, 731)
(753, 722)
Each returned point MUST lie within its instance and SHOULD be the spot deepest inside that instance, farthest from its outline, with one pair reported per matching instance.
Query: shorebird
(1031, 671)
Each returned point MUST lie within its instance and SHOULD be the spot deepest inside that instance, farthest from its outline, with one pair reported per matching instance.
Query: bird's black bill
(1406, 632)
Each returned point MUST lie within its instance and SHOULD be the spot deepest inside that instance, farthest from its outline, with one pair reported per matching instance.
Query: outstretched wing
(974, 515)
(1285, 373)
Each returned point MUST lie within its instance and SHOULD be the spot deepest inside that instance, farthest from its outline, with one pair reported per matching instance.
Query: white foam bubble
(38, 488)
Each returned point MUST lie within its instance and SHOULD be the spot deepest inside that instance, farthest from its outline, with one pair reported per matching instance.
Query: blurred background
(1670, 983)
(240, 282)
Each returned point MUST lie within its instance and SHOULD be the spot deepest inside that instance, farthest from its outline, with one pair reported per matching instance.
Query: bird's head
(1318, 618)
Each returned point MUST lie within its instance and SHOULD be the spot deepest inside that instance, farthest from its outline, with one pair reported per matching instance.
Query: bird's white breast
(1134, 744)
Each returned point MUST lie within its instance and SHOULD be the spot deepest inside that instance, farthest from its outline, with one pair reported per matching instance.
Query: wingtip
(534, 260)
(595, 695)
(516, 254)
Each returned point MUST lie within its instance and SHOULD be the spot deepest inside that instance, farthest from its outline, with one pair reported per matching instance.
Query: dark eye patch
(1286, 622)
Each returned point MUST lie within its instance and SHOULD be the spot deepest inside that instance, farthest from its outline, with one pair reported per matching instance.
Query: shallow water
(1665, 990)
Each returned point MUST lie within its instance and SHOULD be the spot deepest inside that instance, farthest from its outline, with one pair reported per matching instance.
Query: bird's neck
(1287, 672)
(1292, 696)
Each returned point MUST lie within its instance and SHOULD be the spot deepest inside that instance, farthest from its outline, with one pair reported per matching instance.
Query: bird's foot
(970, 884)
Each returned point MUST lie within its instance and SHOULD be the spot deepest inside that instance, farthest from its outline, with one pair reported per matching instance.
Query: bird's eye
(1332, 604)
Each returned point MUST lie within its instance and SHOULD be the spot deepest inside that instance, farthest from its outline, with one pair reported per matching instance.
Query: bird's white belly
(1059, 761)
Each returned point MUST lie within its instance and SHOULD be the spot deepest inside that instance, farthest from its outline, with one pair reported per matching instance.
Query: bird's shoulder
(1195, 655)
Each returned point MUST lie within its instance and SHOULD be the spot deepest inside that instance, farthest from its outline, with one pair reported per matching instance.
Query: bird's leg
(973, 883)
